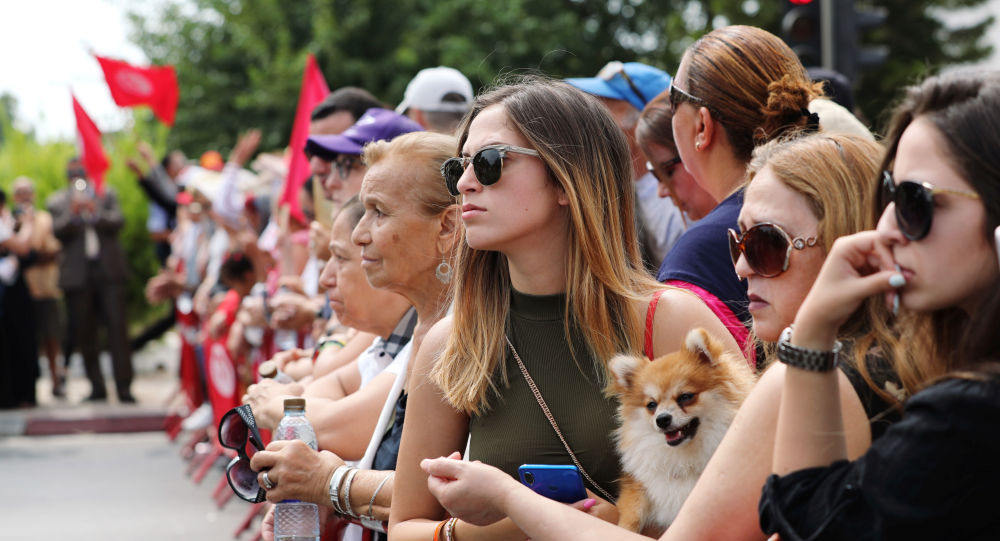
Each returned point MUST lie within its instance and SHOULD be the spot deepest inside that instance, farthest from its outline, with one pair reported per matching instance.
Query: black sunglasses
(767, 248)
(914, 204)
(238, 427)
(487, 164)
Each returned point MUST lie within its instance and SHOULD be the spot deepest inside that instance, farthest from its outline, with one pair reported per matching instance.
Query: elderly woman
(402, 197)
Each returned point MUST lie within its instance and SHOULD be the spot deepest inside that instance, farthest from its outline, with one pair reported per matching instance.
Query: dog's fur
(694, 393)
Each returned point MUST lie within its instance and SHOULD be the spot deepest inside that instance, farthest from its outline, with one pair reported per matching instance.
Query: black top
(701, 257)
(933, 475)
(881, 413)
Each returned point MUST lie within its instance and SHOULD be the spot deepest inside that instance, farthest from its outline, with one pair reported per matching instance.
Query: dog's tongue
(674, 435)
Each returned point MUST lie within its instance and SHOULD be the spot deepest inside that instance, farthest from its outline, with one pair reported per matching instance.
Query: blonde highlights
(587, 156)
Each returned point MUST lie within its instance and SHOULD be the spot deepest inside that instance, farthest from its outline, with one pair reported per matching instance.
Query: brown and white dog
(674, 412)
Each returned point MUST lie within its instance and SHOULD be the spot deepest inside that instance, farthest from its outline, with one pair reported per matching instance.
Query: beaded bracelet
(449, 529)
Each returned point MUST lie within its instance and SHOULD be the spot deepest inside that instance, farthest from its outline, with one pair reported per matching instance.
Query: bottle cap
(295, 404)
(268, 369)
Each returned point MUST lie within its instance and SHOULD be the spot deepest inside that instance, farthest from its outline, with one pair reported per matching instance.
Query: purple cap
(375, 125)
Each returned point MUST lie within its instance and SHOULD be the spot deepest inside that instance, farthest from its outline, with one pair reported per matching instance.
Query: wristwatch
(806, 359)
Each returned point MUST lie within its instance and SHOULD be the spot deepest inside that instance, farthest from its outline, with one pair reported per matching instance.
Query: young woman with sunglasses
(933, 475)
(656, 139)
(737, 87)
(804, 188)
(542, 297)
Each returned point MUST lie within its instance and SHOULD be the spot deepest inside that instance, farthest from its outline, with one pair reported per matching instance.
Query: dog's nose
(664, 420)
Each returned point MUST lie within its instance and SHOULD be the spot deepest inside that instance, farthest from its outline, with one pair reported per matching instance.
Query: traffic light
(850, 20)
(802, 30)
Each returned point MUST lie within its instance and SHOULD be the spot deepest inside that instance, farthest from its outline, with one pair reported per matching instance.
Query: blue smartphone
(561, 483)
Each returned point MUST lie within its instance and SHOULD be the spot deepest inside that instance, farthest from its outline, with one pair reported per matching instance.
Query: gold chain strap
(552, 421)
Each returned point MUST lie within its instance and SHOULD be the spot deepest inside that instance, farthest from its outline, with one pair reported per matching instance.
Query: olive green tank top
(515, 431)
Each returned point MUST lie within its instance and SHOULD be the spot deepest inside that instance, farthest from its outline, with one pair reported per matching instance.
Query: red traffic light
(801, 2)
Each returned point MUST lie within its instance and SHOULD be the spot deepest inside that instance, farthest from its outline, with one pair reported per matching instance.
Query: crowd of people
(470, 263)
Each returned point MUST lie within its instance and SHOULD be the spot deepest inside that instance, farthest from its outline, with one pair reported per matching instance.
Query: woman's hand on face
(471, 491)
(296, 471)
(857, 267)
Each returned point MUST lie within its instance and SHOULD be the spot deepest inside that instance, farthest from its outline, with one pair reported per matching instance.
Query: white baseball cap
(426, 90)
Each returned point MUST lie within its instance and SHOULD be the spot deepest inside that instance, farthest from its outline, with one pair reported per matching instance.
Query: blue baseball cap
(633, 82)
(375, 125)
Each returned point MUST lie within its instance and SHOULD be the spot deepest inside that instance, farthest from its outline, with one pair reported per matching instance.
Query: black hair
(352, 99)
(235, 266)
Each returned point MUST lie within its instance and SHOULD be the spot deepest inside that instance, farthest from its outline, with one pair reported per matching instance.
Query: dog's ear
(700, 343)
(624, 368)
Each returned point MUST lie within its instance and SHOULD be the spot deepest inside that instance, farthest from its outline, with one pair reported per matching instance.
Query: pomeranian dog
(674, 412)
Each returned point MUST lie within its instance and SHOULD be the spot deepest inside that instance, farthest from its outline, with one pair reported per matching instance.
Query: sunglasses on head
(487, 164)
(238, 427)
(914, 204)
(615, 68)
(678, 96)
(767, 248)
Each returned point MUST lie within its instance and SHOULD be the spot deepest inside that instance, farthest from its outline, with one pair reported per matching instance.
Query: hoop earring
(443, 272)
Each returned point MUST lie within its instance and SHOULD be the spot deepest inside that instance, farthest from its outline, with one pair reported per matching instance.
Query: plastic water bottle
(269, 370)
(295, 520)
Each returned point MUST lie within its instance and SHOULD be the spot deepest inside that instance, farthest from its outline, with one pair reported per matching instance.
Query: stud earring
(443, 272)
(697, 146)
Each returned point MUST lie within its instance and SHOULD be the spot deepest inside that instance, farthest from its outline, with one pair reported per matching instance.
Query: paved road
(107, 487)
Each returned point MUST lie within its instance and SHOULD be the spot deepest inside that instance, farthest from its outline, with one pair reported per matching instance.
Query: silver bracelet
(338, 476)
(348, 510)
(371, 503)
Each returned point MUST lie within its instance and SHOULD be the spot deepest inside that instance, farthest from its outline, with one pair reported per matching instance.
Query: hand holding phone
(561, 483)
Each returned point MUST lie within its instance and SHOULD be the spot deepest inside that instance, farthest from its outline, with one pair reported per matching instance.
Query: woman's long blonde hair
(587, 157)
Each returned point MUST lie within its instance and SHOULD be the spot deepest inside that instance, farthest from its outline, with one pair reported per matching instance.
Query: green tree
(239, 62)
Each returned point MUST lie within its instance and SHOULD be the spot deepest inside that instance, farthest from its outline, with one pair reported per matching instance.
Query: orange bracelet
(439, 529)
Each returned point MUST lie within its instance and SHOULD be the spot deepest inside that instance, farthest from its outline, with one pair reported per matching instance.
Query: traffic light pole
(827, 51)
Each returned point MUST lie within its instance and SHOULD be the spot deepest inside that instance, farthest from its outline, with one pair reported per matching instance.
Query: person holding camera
(92, 275)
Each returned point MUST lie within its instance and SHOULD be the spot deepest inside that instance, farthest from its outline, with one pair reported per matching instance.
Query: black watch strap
(806, 359)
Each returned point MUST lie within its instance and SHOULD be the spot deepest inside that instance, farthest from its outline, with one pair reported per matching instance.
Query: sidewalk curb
(60, 422)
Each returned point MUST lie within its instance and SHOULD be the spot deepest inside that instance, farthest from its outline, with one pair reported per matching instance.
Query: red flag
(313, 91)
(155, 86)
(94, 160)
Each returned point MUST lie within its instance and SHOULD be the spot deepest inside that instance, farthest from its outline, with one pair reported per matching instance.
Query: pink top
(736, 327)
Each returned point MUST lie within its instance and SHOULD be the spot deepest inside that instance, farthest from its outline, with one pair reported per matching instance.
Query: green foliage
(240, 62)
(45, 163)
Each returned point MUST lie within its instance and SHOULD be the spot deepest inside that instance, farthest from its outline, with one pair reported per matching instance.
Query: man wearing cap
(437, 99)
(337, 112)
(344, 150)
(625, 88)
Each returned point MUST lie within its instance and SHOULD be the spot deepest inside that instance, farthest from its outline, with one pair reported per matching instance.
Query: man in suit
(92, 275)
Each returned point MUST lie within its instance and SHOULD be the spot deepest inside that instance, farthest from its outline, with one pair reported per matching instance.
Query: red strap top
(650, 313)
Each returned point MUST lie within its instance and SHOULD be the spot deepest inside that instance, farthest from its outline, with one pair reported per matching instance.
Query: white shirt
(660, 216)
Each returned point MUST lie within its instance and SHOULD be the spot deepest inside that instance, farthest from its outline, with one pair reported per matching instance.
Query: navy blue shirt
(701, 257)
